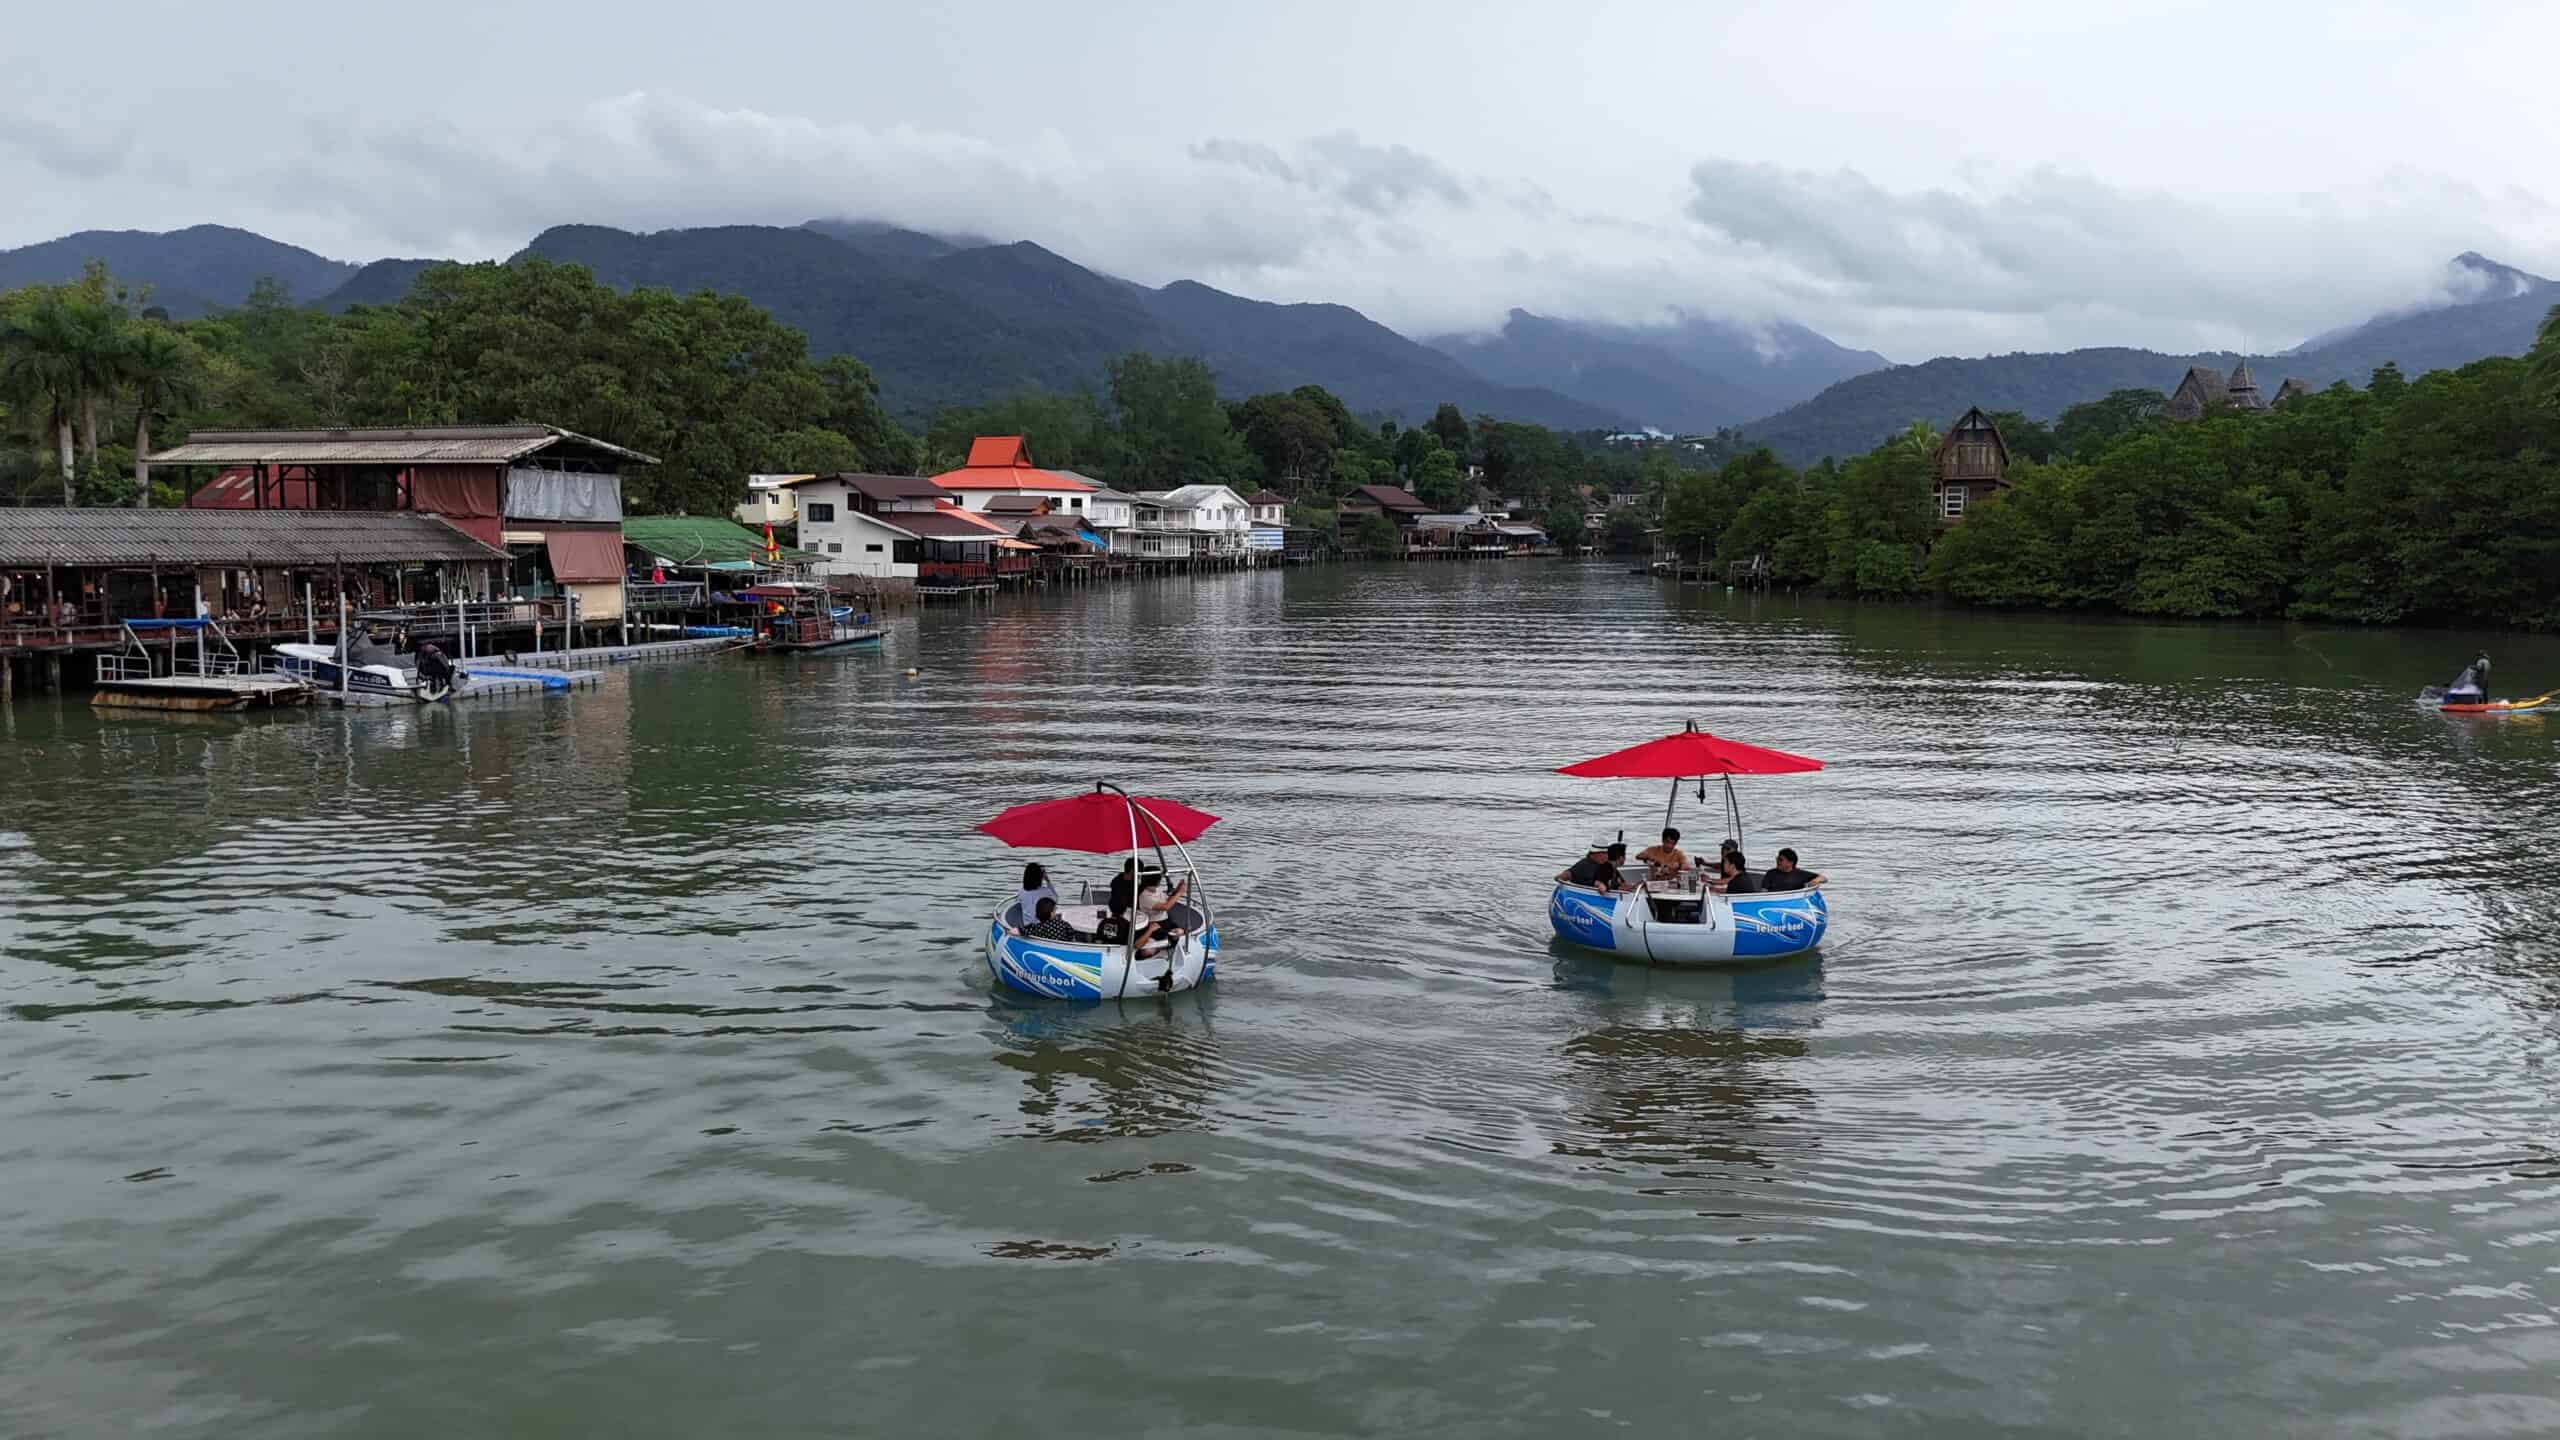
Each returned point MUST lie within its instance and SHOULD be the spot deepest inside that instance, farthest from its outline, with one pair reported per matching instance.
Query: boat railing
(215, 655)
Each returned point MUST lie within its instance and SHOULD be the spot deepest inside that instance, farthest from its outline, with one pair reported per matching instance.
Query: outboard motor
(436, 674)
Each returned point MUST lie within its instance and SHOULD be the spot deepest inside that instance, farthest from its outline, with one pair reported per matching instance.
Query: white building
(1270, 532)
(1214, 519)
(852, 521)
(1107, 509)
(769, 500)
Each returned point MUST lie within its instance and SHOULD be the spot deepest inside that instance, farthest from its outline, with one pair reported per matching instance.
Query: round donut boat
(1064, 970)
(1726, 930)
(1105, 821)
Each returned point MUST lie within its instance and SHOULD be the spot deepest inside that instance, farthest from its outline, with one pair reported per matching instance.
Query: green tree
(40, 371)
(2027, 439)
(164, 374)
(2544, 359)
(2092, 425)
(1065, 431)
(1170, 419)
(1292, 437)
(1378, 538)
(1438, 481)
(1450, 428)
(1564, 525)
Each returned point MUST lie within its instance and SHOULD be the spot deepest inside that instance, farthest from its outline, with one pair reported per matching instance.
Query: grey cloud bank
(1267, 159)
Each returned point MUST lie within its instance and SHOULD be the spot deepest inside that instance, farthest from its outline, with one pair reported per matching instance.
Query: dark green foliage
(2027, 439)
(1069, 431)
(1175, 431)
(2093, 425)
(1378, 538)
(1854, 414)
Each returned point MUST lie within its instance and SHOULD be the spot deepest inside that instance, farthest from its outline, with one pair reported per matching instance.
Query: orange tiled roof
(1003, 462)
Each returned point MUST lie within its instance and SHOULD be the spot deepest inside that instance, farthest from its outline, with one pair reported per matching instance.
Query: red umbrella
(1676, 757)
(1689, 752)
(1099, 822)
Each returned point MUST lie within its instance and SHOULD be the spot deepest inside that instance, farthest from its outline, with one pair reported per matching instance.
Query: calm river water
(2183, 1060)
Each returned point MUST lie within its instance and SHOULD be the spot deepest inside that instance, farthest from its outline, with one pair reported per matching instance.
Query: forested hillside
(1855, 414)
(187, 272)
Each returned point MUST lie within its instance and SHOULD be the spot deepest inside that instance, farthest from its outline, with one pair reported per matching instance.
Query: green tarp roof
(700, 540)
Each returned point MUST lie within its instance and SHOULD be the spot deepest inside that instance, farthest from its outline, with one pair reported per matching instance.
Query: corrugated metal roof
(425, 445)
(230, 537)
(700, 539)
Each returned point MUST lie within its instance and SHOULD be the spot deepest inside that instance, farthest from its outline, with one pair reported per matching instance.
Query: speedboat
(367, 670)
(1683, 921)
(1106, 821)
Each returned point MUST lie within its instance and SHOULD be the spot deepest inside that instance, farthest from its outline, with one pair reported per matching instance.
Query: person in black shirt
(1124, 886)
(1734, 875)
(1788, 875)
(1051, 926)
(1596, 868)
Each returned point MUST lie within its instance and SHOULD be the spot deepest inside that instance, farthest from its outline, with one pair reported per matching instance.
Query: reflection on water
(1118, 1070)
(623, 1062)
(1690, 1074)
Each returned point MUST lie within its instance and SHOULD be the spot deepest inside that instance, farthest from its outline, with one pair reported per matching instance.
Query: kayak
(2433, 699)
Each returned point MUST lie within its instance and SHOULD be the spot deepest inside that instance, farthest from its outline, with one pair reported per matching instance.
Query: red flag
(772, 551)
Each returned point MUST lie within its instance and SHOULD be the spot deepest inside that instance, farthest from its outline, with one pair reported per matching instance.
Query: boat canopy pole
(1733, 809)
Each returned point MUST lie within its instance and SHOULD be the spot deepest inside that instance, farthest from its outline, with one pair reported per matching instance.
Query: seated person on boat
(1789, 875)
(1048, 924)
(1665, 861)
(1733, 874)
(2471, 687)
(1598, 868)
(1035, 888)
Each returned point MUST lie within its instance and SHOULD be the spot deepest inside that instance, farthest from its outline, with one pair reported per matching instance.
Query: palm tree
(1920, 439)
(38, 370)
(165, 374)
(97, 353)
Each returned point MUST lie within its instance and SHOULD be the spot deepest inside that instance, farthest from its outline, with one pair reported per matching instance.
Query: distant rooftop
(417, 445)
(230, 538)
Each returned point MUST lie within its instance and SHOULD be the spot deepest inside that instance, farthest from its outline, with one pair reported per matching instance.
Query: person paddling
(2471, 687)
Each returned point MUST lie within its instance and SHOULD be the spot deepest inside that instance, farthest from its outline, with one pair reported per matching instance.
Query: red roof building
(1001, 465)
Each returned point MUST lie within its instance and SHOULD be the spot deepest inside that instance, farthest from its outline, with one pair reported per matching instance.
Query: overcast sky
(1919, 178)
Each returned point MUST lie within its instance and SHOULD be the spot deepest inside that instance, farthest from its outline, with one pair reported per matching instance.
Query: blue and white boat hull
(1062, 970)
(1729, 930)
(318, 665)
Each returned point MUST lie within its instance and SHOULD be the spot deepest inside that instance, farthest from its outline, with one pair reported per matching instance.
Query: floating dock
(479, 685)
(631, 654)
(199, 692)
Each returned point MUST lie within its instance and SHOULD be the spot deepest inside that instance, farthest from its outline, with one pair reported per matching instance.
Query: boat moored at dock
(801, 615)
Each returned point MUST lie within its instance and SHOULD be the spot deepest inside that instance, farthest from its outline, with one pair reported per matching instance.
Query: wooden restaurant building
(70, 578)
(550, 498)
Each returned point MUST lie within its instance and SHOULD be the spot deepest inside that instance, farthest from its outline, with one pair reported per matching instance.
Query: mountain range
(1693, 375)
(957, 319)
(2485, 308)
